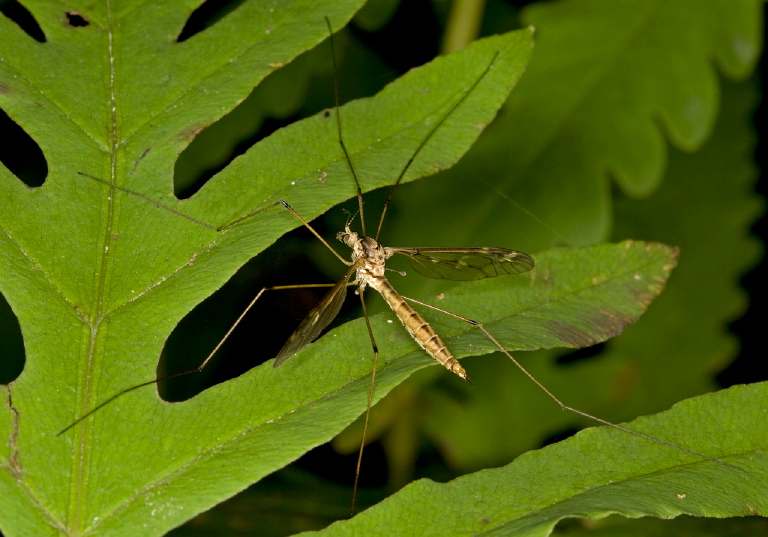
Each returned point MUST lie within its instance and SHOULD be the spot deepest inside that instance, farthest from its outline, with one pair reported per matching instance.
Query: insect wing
(317, 319)
(466, 263)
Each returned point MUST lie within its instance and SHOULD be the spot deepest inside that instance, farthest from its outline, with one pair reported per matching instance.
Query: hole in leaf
(23, 18)
(206, 156)
(260, 335)
(76, 20)
(21, 154)
(580, 355)
(208, 14)
(12, 362)
(277, 101)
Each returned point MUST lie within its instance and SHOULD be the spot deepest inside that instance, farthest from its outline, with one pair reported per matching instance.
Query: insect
(367, 266)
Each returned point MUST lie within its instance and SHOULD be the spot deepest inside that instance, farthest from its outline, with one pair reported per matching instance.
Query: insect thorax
(367, 254)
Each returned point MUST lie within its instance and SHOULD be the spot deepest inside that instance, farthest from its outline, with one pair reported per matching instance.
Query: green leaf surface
(597, 473)
(98, 278)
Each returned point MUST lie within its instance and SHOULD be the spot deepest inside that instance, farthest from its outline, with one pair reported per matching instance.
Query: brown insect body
(369, 258)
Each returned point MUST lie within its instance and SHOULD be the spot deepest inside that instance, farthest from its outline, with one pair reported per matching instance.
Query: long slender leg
(370, 400)
(228, 225)
(204, 363)
(552, 396)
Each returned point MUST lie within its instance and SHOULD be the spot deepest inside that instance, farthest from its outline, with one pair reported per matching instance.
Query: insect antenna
(338, 125)
(426, 139)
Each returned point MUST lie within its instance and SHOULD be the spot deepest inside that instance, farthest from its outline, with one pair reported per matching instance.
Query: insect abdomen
(418, 327)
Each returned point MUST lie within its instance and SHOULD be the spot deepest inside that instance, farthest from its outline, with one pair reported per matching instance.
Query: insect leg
(202, 365)
(558, 401)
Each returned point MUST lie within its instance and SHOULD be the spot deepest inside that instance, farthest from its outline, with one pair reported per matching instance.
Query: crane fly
(368, 265)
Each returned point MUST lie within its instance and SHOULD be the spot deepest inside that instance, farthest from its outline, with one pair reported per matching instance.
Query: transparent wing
(317, 319)
(466, 263)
